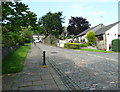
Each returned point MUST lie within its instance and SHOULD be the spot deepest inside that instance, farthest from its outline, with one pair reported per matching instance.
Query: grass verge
(13, 63)
(95, 50)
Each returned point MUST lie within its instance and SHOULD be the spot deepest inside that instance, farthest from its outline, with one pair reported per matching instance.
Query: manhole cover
(54, 52)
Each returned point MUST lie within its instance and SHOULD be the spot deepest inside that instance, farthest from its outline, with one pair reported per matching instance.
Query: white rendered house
(82, 36)
(106, 34)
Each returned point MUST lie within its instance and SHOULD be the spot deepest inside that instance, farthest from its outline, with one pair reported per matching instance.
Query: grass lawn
(13, 63)
(95, 50)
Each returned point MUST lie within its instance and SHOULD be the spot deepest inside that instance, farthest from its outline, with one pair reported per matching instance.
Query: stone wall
(51, 40)
(101, 44)
(7, 50)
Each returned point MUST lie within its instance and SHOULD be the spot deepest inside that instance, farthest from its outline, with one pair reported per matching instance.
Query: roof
(95, 28)
(104, 29)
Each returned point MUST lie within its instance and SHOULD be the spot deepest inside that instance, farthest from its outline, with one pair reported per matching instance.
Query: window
(100, 38)
(118, 36)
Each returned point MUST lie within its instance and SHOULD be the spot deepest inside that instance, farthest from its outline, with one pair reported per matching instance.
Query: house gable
(95, 28)
(106, 28)
(111, 34)
(107, 33)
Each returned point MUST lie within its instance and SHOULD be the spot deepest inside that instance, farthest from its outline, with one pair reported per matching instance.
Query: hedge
(116, 45)
(83, 44)
(72, 45)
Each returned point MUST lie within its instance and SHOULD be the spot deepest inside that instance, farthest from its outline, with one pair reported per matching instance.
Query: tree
(39, 30)
(32, 18)
(16, 15)
(52, 23)
(91, 38)
(77, 25)
(27, 33)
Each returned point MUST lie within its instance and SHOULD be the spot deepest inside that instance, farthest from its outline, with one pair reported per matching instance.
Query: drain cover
(54, 52)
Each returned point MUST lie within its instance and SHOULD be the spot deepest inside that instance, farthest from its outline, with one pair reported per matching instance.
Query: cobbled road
(89, 70)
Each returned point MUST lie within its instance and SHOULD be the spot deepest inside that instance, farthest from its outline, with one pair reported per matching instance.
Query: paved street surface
(89, 70)
(67, 70)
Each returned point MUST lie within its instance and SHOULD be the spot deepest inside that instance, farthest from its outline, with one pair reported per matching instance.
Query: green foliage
(91, 38)
(68, 37)
(116, 45)
(77, 25)
(65, 45)
(52, 23)
(52, 42)
(14, 38)
(27, 33)
(83, 44)
(95, 50)
(39, 30)
(9, 38)
(76, 42)
(16, 15)
(13, 63)
(21, 40)
(72, 45)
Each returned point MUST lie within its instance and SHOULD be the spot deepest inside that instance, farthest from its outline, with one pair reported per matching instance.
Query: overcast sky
(95, 11)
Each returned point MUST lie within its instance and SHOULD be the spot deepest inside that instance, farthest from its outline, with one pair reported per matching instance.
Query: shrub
(27, 40)
(116, 45)
(76, 41)
(83, 44)
(91, 38)
(21, 40)
(65, 45)
(72, 45)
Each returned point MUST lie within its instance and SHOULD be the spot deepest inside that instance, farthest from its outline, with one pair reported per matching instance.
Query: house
(82, 36)
(106, 34)
(64, 33)
(38, 37)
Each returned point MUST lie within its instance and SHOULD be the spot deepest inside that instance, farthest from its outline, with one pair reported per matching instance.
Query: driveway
(89, 70)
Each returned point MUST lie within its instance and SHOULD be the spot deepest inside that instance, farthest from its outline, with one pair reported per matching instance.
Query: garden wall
(7, 50)
(51, 40)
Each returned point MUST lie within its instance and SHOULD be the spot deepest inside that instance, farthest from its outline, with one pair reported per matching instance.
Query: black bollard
(44, 63)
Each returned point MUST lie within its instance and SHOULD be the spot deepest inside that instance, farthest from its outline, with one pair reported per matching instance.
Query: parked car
(37, 41)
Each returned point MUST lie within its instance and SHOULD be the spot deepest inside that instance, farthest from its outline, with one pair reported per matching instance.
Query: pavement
(34, 76)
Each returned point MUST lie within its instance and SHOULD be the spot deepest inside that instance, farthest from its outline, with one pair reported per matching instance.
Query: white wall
(111, 36)
(61, 43)
(82, 37)
(35, 37)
